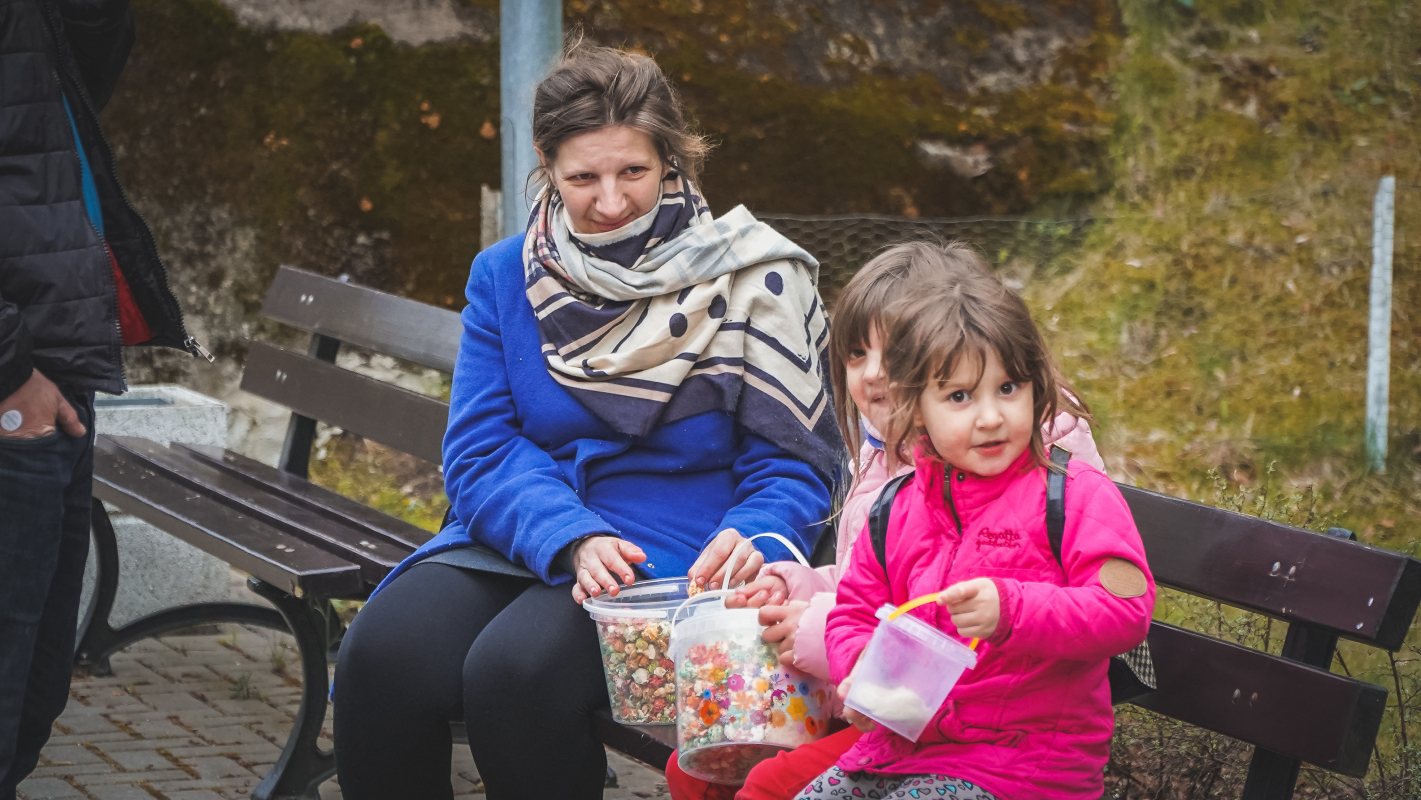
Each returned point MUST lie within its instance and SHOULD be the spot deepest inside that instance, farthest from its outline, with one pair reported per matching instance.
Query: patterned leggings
(837, 783)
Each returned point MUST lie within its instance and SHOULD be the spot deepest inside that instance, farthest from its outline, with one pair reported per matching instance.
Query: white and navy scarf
(679, 313)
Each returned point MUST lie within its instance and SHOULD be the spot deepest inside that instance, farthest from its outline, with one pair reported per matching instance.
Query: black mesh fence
(844, 243)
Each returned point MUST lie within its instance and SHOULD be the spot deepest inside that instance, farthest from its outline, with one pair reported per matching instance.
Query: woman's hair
(954, 308)
(595, 87)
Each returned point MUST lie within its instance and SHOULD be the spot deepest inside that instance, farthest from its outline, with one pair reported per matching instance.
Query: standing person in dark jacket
(79, 277)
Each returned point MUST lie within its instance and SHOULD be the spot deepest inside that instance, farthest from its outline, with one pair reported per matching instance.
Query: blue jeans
(45, 490)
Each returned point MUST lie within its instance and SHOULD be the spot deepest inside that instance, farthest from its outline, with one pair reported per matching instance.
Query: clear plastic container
(906, 673)
(736, 705)
(634, 635)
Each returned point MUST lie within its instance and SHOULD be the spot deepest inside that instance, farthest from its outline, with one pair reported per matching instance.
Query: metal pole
(1379, 329)
(530, 37)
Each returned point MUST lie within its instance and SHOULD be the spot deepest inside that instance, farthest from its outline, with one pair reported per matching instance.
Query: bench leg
(303, 765)
(101, 640)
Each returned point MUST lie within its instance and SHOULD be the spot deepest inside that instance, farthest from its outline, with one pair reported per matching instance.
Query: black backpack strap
(878, 519)
(1056, 500)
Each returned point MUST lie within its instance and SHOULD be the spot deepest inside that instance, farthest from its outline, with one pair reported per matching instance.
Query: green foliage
(1217, 316)
(399, 485)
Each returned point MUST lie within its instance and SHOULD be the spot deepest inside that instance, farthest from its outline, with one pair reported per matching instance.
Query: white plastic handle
(731, 566)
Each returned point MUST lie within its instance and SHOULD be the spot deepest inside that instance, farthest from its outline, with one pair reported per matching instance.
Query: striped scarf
(680, 313)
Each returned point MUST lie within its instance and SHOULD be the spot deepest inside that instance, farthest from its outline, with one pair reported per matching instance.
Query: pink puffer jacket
(1033, 719)
(817, 586)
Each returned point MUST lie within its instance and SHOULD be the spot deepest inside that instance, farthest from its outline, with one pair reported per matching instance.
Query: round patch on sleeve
(1123, 579)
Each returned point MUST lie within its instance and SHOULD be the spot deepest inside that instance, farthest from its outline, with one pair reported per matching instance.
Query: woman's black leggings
(515, 658)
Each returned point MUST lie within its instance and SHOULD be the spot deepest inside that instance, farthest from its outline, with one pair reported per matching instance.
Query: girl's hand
(976, 609)
(596, 560)
(783, 627)
(766, 590)
(709, 570)
(854, 718)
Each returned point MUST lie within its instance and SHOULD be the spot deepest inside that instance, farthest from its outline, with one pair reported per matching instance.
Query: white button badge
(11, 420)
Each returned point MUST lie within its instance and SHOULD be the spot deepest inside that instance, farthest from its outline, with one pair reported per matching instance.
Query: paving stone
(230, 787)
(120, 792)
(131, 745)
(152, 776)
(195, 794)
(60, 740)
(216, 767)
(78, 719)
(71, 770)
(138, 760)
(65, 755)
(173, 702)
(47, 789)
(231, 735)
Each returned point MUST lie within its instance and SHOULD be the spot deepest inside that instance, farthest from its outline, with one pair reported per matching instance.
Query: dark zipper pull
(191, 345)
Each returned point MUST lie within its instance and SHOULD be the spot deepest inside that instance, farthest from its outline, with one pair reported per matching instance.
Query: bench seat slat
(382, 322)
(316, 498)
(245, 542)
(407, 421)
(1287, 707)
(376, 558)
(1363, 593)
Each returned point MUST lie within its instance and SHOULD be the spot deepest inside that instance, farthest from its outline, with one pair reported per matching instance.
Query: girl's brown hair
(597, 87)
(873, 288)
(958, 309)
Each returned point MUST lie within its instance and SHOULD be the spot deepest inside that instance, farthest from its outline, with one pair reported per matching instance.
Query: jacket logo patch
(1004, 538)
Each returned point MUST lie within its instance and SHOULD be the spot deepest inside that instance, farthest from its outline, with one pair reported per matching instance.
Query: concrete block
(157, 571)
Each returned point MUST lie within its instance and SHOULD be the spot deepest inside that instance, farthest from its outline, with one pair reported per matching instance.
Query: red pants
(778, 778)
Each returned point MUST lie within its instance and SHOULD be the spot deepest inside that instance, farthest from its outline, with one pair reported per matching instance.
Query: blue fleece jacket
(529, 470)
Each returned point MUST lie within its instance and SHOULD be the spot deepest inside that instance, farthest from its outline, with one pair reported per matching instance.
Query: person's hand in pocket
(36, 409)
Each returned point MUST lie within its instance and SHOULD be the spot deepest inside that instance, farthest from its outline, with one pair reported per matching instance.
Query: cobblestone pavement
(203, 718)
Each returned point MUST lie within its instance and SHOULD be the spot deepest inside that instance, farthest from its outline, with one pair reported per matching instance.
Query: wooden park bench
(304, 546)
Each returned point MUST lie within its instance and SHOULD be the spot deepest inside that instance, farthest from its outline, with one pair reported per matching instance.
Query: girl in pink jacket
(795, 599)
(972, 385)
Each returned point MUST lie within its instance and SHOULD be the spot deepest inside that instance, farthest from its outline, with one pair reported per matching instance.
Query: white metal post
(1379, 328)
(530, 37)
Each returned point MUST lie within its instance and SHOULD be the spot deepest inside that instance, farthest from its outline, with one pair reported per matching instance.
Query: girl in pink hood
(971, 386)
(795, 600)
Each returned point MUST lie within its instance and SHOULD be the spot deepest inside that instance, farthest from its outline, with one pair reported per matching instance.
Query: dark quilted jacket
(58, 301)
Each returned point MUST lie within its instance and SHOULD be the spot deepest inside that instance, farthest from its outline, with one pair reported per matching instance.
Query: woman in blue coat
(639, 388)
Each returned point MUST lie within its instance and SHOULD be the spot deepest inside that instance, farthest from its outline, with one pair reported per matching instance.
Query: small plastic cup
(906, 673)
(634, 635)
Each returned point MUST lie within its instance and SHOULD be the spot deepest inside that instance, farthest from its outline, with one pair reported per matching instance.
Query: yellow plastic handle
(922, 601)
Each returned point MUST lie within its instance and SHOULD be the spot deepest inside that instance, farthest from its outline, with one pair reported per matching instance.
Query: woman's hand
(854, 718)
(709, 570)
(766, 590)
(976, 609)
(595, 562)
(783, 626)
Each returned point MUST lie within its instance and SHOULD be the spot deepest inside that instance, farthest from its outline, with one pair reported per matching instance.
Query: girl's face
(980, 425)
(868, 384)
(607, 177)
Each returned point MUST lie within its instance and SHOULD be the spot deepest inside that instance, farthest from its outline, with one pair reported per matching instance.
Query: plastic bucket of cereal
(906, 673)
(735, 704)
(634, 634)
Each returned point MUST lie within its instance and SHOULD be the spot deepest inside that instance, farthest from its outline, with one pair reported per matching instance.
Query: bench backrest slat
(1290, 708)
(385, 323)
(1363, 593)
(395, 417)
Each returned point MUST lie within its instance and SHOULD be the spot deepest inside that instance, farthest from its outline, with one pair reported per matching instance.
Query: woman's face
(607, 177)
